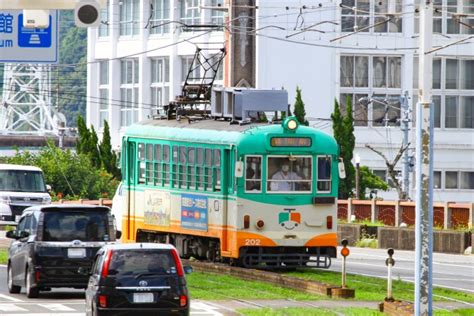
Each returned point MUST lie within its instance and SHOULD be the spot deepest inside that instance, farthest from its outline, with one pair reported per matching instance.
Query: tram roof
(215, 131)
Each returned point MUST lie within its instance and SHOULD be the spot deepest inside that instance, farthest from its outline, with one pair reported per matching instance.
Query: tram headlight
(260, 224)
(290, 124)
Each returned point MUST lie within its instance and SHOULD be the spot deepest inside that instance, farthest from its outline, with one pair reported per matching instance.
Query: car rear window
(142, 261)
(68, 225)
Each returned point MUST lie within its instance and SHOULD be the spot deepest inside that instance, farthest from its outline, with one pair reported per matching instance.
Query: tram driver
(285, 178)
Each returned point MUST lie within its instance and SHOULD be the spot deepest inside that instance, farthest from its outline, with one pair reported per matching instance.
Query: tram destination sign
(27, 45)
(290, 142)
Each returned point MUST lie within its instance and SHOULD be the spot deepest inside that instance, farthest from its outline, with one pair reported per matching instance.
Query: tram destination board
(290, 142)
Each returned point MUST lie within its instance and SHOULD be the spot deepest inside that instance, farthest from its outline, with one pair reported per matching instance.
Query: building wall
(292, 51)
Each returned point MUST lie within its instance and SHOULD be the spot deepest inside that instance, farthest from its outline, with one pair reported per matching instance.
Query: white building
(296, 46)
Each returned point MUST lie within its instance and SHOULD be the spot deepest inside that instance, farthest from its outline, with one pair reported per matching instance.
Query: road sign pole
(424, 168)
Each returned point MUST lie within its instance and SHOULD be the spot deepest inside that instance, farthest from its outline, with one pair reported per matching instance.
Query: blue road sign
(27, 45)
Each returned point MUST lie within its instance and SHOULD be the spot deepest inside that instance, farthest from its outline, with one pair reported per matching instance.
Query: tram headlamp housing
(290, 124)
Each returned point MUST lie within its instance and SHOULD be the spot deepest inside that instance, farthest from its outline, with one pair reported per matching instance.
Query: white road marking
(45, 314)
(57, 307)
(7, 297)
(11, 308)
(207, 309)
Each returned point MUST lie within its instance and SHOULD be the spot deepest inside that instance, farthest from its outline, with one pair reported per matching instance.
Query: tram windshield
(289, 174)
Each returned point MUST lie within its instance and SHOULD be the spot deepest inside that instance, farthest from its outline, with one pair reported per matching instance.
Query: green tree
(69, 173)
(82, 144)
(370, 181)
(299, 110)
(343, 131)
(108, 157)
(93, 148)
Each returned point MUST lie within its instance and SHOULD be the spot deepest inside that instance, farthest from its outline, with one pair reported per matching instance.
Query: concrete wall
(404, 239)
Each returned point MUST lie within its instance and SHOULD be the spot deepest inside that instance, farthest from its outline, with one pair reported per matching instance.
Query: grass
(375, 289)
(3, 255)
(353, 311)
(223, 287)
(298, 311)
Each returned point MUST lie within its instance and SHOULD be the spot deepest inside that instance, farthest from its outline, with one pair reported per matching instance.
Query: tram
(257, 195)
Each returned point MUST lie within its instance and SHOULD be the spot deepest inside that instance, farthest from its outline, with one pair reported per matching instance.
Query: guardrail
(448, 215)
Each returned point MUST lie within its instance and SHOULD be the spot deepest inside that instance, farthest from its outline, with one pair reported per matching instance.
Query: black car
(139, 279)
(54, 244)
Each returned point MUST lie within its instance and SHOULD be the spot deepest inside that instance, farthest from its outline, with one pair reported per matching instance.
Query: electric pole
(405, 126)
(424, 169)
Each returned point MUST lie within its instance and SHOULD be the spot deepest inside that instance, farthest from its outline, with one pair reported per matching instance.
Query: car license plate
(143, 298)
(76, 253)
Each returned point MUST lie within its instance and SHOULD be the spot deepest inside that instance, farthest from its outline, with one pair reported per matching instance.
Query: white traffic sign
(27, 45)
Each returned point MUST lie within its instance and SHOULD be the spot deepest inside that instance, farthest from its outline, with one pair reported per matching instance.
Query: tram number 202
(252, 242)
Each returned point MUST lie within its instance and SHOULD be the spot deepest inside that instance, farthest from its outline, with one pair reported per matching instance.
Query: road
(70, 302)
(449, 271)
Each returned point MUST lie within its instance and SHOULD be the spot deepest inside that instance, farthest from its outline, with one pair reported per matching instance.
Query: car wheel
(31, 292)
(13, 289)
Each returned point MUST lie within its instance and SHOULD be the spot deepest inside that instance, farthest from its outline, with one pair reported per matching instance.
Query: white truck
(20, 187)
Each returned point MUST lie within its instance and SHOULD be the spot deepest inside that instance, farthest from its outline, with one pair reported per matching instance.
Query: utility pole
(424, 169)
(405, 126)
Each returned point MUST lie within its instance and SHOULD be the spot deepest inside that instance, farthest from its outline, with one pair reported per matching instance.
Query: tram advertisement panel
(194, 211)
(157, 208)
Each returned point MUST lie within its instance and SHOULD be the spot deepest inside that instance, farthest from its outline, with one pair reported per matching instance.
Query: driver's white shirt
(284, 185)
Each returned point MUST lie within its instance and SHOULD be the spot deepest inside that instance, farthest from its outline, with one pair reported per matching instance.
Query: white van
(20, 187)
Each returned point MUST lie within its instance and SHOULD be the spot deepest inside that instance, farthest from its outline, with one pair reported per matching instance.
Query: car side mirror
(48, 188)
(239, 169)
(342, 169)
(188, 269)
(11, 234)
(23, 234)
(118, 234)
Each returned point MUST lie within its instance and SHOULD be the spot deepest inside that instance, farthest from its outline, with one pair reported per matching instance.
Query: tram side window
(191, 168)
(182, 167)
(324, 174)
(157, 171)
(174, 167)
(141, 163)
(253, 174)
(166, 164)
(149, 164)
(200, 168)
(208, 172)
(289, 174)
(217, 169)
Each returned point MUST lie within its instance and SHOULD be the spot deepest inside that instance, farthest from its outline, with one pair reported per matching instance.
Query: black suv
(138, 279)
(54, 244)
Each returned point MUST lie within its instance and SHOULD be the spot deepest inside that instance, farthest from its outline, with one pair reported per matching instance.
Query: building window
(190, 12)
(160, 17)
(467, 180)
(436, 179)
(451, 17)
(214, 63)
(453, 84)
(217, 16)
(103, 92)
(104, 19)
(188, 67)
(374, 77)
(129, 91)
(358, 14)
(451, 180)
(129, 17)
(160, 82)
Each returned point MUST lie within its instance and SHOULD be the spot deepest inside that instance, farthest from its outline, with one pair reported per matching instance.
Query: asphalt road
(450, 271)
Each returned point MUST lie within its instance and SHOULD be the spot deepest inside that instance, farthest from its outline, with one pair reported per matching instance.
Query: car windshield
(22, 181)
(289, 174)
(142, 262)
(68, 225)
